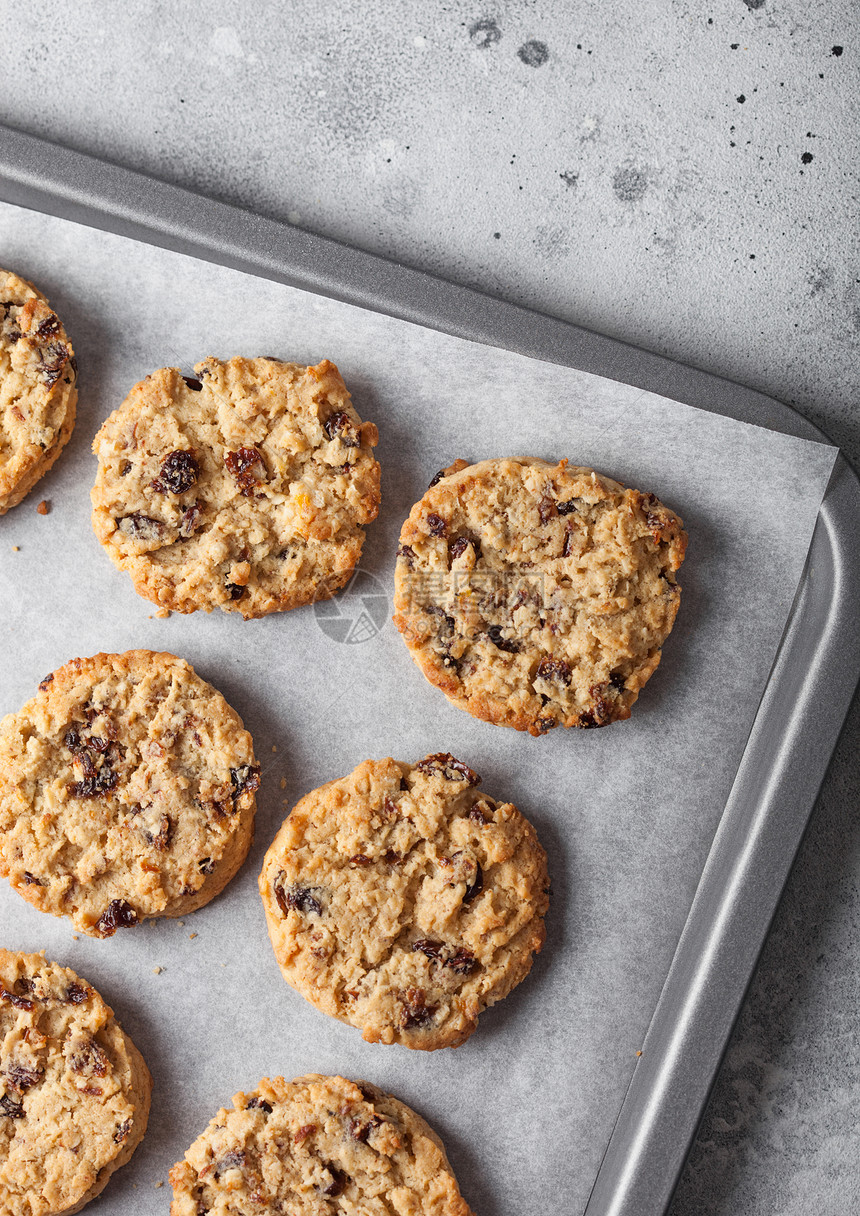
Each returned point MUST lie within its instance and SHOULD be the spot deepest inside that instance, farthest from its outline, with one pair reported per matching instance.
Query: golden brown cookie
(74, 1090)
(247, 489)
(402, 900)
(38, 392)
(537, 595)
(126, 791)
(315, 1146)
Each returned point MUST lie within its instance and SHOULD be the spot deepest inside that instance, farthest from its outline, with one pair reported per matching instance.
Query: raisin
(588, 721)
(50, 326)
(296, 897)
(463, 962)
(119, 914)
(435, 610)
(475, 887)
(567, 547)
(76, 994)
(618, 680)
(340, 426)
(450, 768)
(545, 724)
(17, 1002)
(259, 1104)
(206, 865)
(479, 810)
(432, 949)
(437, 478)
(339, 1180)
(553, 669)
(565, 508)
(43, 684)
(188, 522)
(302, 1134)
(22, 1079)
(436, 524)
(391, 856)
(414, 1009)
(494, 633)
(236, 592)
(360, 1131)
(458, 547)
(89, 1058)
(127, 466)
(10, 1108)
(361, 859)
(122, 1131)
(95, 784)
(547, 508)
(140, 527)
(54, 358)
(244, 779)
(230, 1161)
(193, 383)
(161, 839)
(247, 466)
(179, 472)
(72, 740)
(32, 880)
(408, 553)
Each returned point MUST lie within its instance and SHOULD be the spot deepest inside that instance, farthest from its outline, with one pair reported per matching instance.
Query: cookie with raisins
(537, 595)
(404, 901)
(38, 389)
(247, 489)
(317, 1144)
(74, 1090)
(126, 791)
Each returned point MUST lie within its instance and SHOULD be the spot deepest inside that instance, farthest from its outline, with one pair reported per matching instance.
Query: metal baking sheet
(804, 702)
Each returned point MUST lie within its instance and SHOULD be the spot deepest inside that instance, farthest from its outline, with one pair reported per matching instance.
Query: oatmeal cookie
(247, 489)
(402, 900)
(38, 392)
(74, 1090)
(537, 595)
(126, 791)
(313, 1146)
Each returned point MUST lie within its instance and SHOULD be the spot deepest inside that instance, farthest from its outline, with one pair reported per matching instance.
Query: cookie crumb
(156, 970)
(16, 548)
(283, 783)
(163, 614)
(181, 924)
(75, 937)
(192, 934)
(44, 507)
(274, 747)
(158, 1184)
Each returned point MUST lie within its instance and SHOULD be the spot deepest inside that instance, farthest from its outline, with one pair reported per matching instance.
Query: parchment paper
(626, 813)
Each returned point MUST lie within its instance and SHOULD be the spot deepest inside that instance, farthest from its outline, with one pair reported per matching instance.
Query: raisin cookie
(74, 1090)
(126, 791)
(247, 489)
(537, 595)
(405, 902)
(38, 392)
(314, 1146)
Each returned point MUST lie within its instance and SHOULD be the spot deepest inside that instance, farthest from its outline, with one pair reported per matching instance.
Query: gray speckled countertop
(681, 176)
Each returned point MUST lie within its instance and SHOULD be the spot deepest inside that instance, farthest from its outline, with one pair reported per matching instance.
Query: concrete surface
(678, 174)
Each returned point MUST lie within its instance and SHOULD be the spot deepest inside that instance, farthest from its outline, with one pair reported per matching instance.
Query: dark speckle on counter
(534, 54)
(629, 183)
(485, 33)
(569, 177)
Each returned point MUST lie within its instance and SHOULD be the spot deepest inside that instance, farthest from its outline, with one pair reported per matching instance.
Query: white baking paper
(626, 814)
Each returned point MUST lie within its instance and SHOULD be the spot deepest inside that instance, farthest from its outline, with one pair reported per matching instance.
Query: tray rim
(808, 692)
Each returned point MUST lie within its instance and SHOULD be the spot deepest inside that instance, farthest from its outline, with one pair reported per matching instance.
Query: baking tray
(804, 704)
